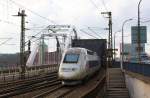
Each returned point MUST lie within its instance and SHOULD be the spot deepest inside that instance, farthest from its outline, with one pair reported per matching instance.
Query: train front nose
(69, 73)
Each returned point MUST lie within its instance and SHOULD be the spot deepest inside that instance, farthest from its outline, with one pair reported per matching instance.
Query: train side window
(90, 52)
(93, 63)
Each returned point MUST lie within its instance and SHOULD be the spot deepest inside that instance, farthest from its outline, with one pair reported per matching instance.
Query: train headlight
(62, 68)
(74, 69)
(68, 69)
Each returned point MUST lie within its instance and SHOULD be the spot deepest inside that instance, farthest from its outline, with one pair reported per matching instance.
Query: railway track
(50, 91)
(78, 91)
(30, 89)
(39, 91)
(52, 88)
(57, 92)
(30, 85)
(25, 81)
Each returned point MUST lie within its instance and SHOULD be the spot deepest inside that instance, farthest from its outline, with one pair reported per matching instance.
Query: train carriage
(78, 64)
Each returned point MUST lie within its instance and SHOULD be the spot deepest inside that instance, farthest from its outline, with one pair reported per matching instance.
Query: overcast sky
(80, 13)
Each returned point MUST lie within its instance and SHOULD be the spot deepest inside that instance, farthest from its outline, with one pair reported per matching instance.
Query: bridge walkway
(116, 84)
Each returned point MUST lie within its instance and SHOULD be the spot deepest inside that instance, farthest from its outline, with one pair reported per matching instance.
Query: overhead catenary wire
(104, 5)
(5, 41)
(145, 21)
(98, 28)
(9, 22)
(94, 32)
(10, 44)
(39, 14)
(35, 13)
(6, 13)
(88, 34)
(36, 27)
(37, 40)
(33, 36)
(5, 38)
(93, 3)
(20, 5)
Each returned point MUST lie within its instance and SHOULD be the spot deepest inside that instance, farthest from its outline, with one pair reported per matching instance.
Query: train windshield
(71, 58)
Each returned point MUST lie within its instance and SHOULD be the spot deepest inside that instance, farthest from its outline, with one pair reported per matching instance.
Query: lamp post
(122, 44)
(138, 37)
(115, 43)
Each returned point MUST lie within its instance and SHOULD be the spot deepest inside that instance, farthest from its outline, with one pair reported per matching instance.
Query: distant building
(127, 52)
(131, 54)
(134, 50)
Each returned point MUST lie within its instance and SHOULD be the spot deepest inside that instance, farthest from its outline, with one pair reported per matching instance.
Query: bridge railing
(8, 74)
(143, 69)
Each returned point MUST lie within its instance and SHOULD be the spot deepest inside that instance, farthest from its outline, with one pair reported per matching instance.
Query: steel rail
(4, 85)
(31, 88)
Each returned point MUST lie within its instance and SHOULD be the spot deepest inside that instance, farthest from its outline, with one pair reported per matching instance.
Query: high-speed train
(77, 65)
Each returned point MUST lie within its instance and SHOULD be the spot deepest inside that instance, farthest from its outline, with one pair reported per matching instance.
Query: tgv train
(77, 65)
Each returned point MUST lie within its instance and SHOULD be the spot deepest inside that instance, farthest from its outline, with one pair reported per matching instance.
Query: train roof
(96, 45)
(79, 49)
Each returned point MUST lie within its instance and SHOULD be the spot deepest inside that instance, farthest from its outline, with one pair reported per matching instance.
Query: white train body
(78, 64)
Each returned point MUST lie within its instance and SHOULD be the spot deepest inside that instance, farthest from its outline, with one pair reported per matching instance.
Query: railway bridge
(42, 82)
(133, 81)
